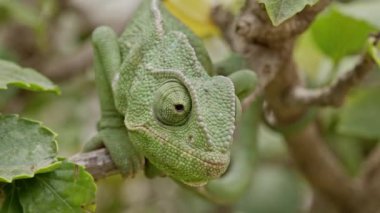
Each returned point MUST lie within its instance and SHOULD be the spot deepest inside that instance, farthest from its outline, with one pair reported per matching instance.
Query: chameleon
(161, 103)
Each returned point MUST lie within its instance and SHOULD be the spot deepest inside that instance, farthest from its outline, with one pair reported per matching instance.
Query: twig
(98, 163)
(334, 94)
(371, 168)
(224, 19)
(258, 27)
(254, 25)
(264, 80)
(370, 179)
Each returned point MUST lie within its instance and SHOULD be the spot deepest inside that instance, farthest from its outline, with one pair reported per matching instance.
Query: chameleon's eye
(172, 104)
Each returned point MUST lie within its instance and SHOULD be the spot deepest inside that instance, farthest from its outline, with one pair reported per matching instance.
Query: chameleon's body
(158, 101)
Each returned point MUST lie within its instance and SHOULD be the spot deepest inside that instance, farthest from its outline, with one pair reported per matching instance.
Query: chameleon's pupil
(179, 107)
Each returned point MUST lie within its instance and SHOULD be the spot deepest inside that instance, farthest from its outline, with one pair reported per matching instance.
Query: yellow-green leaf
(194, 14)
(373, 48)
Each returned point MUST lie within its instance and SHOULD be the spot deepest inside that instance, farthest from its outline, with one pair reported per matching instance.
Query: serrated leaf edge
(48, 168)
(28, 86)
(32, 87)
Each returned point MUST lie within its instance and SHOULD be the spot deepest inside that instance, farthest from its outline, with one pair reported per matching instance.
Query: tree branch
(98, 163)
(255, 25)
(321, 168)
(371, 168)
(334, 94)
(269, 51)
(370, 179)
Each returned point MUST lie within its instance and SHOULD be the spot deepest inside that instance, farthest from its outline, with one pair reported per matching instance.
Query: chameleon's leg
(244, 82)
(95, 143)
(235, 67)
(112, 131)
(230, 64)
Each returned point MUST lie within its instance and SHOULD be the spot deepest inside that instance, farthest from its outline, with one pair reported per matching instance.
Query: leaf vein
(51, 188)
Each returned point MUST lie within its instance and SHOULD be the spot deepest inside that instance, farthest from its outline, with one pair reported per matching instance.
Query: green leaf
(26, 148)
(348, 149)
(68, 189)
(373, 49)
(281, 10)
(12, 74)
(339, 35)
(11, 203)
(363, 10)
(360, 116)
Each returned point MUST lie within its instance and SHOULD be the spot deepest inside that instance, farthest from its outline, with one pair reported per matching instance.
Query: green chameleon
(160, 108)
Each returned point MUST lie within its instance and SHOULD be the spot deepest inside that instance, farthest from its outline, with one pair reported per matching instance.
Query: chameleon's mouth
(209, 159)
(192, 166)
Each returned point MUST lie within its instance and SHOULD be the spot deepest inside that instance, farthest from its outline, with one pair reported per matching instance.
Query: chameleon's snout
(188, 164)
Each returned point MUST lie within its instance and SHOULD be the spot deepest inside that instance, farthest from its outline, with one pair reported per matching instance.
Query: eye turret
(172, 104)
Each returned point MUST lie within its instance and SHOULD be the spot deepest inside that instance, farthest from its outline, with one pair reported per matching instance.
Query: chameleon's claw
(95, 143)
(123, 154)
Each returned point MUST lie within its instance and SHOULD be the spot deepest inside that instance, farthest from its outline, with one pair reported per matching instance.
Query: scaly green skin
(235, 183)
(158, 101)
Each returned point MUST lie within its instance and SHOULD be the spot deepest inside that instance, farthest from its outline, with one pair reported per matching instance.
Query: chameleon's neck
(158, 21)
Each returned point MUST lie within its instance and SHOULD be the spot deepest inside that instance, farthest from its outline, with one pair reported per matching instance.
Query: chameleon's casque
(180, 119)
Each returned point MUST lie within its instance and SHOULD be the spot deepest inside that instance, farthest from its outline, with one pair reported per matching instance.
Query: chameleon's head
(182, 120)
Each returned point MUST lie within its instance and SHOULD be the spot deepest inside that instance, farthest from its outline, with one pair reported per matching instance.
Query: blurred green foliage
(326, 50)
(337, 42)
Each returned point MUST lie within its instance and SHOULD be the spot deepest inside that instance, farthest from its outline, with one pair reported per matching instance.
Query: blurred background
(53, 37)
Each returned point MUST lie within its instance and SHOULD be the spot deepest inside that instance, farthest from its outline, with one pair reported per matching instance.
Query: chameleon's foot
(122, 152)
(95, 143)
(244, 82)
